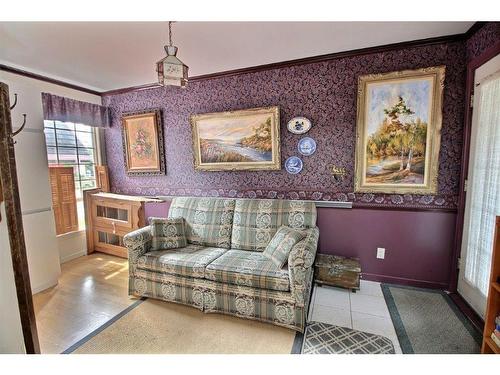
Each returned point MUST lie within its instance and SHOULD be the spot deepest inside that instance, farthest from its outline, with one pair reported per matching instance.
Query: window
(73, 145)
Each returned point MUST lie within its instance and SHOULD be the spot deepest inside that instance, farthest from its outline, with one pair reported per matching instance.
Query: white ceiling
(110, 55)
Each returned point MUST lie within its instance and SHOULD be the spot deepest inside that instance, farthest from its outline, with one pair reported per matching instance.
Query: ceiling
(109, 55)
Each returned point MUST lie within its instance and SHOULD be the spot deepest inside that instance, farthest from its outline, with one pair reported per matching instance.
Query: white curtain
(485, 186)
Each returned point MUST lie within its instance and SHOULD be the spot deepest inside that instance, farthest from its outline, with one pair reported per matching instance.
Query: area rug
(322, 338)
(427, 321)
(154, 327)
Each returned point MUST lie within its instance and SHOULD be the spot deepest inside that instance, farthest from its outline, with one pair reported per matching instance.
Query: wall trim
(306, 60)
(40, 77)
(69, 257)
(36, 211)
(41, 287)
(403, 281)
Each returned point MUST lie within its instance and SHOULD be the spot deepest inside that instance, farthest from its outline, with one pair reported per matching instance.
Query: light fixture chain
(170, 32)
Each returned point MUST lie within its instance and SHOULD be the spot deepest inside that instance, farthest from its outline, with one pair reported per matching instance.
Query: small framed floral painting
(143, 143)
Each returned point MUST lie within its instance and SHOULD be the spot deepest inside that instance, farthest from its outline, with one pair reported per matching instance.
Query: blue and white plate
(293, 165)
(307, 146)
(299, 125)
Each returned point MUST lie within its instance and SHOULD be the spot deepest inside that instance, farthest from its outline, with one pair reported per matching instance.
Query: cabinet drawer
(114, 214)
(108, 242)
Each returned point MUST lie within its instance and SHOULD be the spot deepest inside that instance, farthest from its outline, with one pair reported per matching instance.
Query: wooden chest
(337, 271)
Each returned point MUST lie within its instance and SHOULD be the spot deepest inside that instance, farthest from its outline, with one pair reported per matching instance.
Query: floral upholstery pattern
(248, 268)
(256, 221)
(208, 221)
(226, 280)
(167, 233)
(187, 261)
(280, 246)
(137, 243)
(300, 266)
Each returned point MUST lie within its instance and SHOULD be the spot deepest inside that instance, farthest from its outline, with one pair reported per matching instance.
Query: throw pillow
(281, 244)
(167, 233)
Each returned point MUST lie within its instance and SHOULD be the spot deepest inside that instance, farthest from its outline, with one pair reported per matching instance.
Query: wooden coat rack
(10, 193)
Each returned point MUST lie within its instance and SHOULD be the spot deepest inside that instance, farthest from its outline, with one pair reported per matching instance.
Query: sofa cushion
(167, 233)
(188, 261)
(281, 245)
(208, 221)
(248, 268)
(257, 220)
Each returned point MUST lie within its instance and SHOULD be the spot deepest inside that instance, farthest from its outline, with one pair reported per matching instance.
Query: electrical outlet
(380, 253)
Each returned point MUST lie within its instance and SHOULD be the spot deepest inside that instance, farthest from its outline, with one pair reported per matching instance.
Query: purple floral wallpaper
(485, 37)
(325, 93)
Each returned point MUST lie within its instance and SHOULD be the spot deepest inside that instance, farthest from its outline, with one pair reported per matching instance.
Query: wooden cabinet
(111, 216)
(493, 306)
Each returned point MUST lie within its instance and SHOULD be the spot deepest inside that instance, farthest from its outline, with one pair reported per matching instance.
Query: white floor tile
(331, 315)
(367, 304)
(373, 324)
(332, 297)
(370, 288)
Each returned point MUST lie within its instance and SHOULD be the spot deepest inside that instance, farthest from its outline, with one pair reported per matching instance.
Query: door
(482, 202)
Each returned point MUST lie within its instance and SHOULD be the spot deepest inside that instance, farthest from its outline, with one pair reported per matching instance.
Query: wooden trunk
(337, 271)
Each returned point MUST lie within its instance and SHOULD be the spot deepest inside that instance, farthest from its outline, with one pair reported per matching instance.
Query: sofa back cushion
(208, 221)
(167, 233)
(257, 220)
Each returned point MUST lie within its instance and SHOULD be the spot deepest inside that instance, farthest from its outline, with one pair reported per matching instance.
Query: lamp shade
(172, 71)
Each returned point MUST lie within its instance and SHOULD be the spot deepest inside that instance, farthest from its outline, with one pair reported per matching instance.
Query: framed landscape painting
(143, 143)
(238, 140)
(398, 131)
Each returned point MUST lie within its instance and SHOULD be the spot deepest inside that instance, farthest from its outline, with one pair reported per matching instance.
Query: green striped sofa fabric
(281, 244)
(187, 261)
(167, 233)
(257, 220)
(208, 221)
(248, 268)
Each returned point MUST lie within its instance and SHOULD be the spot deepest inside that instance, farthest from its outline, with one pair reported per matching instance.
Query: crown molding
(253, 69)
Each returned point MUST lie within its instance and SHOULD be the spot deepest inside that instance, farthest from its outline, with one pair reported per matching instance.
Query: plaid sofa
(222, 269)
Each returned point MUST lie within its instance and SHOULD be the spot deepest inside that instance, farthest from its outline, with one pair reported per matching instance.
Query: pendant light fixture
(171, 71)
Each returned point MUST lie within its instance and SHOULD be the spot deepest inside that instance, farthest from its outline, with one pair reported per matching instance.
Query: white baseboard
(69, 257)
(38, 288)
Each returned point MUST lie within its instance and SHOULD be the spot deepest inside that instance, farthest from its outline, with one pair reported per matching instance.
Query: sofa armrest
(300, 266)
(137, 243)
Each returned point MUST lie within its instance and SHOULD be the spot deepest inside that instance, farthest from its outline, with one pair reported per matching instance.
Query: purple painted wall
(418, 243)
(325, 92)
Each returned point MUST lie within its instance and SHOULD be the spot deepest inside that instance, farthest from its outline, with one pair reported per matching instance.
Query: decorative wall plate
(293, 165)
(299, 125)
(307, 146)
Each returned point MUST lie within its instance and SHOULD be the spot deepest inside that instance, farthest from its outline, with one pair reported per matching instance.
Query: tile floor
(364, 310)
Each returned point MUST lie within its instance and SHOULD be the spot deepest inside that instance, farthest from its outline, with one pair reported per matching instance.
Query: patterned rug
(322, 338)
(427, 321)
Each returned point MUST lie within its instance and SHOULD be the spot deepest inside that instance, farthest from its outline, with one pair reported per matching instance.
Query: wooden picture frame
(246, 139)
(399, 116)
(143, 146)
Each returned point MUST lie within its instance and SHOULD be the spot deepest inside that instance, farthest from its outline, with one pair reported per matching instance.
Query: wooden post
(8, 179)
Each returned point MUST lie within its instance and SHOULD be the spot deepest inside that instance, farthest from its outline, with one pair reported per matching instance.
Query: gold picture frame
(247, 139)
(398, 131)
(143, 148)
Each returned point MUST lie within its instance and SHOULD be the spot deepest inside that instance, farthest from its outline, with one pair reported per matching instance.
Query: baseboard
(39, 288)
(403, 281)
(67, 258)
(468, 311)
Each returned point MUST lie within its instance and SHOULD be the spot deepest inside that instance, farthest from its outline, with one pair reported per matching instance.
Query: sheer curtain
(485, 186)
